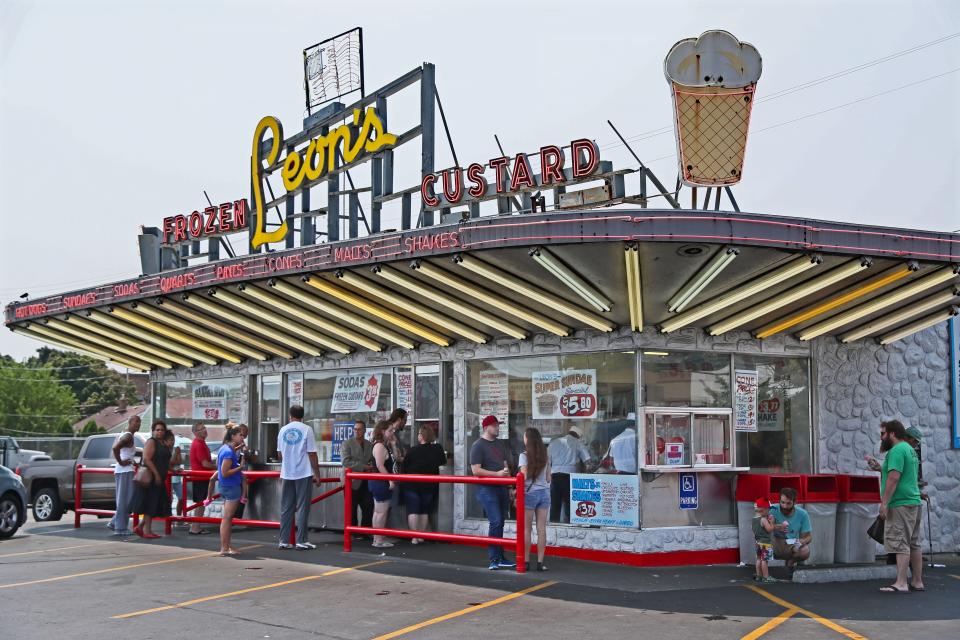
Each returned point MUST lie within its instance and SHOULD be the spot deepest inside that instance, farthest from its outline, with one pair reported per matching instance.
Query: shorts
(538, 498)
(231, 492)
(764, 552)
(198, 489)
(381, 490)
(901, 530)
(419, 501)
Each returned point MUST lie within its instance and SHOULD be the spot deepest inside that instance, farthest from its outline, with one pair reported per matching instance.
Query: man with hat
(489, 459)
(567, 455)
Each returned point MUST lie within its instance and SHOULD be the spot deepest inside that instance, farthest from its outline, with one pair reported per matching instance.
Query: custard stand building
(551, 289)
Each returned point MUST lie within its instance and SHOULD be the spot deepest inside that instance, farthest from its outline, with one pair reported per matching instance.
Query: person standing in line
(151, 499)
(420, 497)
(382, 490)
(567, 455)
(248, 461)
(200, 461)
(357, 455)
(230, 475)
(297, 447)
(535, 466)
(488, 459)
(124, 452)
(400, 446)
(170, 441)
(900, 507)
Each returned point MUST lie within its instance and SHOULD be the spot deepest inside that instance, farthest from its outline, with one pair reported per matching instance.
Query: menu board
(495, 399)
(745, 400)
(356, 393)
(295, 389)
(569, 394)
(608, 500)
(209, 402)
(405, 391)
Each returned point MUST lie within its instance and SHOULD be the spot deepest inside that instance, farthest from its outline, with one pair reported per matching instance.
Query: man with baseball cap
(567, 455)
(489, 459)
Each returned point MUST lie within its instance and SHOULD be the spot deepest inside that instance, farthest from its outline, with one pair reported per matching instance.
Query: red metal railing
(78, 510)
(456, 538)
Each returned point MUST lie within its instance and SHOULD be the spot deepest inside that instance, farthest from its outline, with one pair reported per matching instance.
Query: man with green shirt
(900, 506)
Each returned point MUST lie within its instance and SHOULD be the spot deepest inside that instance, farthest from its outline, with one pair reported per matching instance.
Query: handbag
(876, 530)
(143, 476)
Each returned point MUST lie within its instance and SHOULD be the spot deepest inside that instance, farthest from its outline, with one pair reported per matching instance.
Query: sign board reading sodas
(356, 393)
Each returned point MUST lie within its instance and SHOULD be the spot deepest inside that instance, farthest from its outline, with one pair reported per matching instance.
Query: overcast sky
(117, 114)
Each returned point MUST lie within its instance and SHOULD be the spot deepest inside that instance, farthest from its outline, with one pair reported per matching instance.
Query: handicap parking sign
(689, 497)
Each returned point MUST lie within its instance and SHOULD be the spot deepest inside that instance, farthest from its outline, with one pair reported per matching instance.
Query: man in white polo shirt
(298, 462)
(567, 455)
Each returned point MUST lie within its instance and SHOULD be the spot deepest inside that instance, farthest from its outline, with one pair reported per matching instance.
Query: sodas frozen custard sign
(356, 393)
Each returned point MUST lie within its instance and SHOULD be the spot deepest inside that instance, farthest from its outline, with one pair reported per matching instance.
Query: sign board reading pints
(745, 400)
(356, 393)
(363, 135)
(570, 394)
(608, 500)
(209, 402)
(226, 218)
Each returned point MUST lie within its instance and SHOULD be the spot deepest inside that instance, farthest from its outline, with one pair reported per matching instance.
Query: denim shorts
(538, 498)
(231, 492)
(381, 490)
(419, 501)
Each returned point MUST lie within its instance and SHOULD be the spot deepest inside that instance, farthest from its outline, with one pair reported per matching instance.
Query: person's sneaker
(125, 533)
(506, 564)
(494, 566)
(541, 567)
(284, 545)
(306, 545)
(111, 527)
(382, 545)
(768, 579)
(757, 578)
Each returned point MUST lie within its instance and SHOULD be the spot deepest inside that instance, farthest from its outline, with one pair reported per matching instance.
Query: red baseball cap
(762, 503)
(489, 420)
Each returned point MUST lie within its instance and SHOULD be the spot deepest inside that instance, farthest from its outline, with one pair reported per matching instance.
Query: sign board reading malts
(227, 217)
(604, 499)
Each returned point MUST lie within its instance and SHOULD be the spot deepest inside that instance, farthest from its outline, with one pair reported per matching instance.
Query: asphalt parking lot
(56, 580)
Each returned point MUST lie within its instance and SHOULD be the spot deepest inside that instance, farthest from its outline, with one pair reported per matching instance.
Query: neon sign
(225, 218)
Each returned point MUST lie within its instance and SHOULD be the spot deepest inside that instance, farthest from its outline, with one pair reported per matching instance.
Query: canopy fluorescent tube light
(634, 295)
(718, 263)
(920, 325)
(130, 341)
(902, 315)
(173, 334)
(216, 325)
(188, 327)
(151, 338)
(570, 278)
(135, 350)
(109, 354)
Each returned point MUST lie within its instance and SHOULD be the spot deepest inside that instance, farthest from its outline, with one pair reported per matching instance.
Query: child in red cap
(762, 527)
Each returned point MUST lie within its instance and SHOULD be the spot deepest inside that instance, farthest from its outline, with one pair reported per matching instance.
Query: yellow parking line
(853, 635)
(221, 596)
(461, 612)
(953, 576)
(121, 568)
(78, 546)
(770, 625)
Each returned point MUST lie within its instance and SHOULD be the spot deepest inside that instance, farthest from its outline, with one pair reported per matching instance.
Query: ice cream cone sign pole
(713, 79)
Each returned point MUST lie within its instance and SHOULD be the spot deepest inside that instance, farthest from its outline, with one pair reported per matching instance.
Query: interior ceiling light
(354, 319)
(634, 294)
(376, 310)
(279, 321)
(705, 276)
(134, 351)
(158, 315)
(744, 291)
(468, 288)
(570, 278)
(920, 325)
(430, 293)
(257, 327)
(216, 325)
(52, 336)
(311, 318)
(151, 338)
(882, 280)
(174, 334)
(810, 287)
(656, 353)
(518, 286)
(881, 302)
(130, 341)
(902, 315)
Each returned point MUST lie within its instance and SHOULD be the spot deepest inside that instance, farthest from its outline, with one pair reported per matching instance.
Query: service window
(676, 439)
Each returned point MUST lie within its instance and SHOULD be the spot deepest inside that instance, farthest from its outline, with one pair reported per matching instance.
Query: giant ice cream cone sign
(713, 79)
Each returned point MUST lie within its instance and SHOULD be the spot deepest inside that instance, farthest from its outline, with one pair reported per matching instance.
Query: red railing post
(184, 479)
(521, 525)
(77, 489)
(347, 511)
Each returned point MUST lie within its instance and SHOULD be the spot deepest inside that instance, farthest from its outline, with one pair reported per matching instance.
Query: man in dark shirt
(488, 459)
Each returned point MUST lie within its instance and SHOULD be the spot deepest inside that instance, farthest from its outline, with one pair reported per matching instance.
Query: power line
(56, 380)
(76, 366)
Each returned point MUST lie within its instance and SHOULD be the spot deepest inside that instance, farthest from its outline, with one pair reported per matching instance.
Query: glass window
(782, 440)
(99, 448)
(214, 401)
(270, 388)
(685, 379)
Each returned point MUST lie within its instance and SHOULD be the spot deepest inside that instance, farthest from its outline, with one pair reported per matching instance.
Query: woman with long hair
(382, 490)
(151, 499)
(419, 497)
(535, 466)
(230, 475)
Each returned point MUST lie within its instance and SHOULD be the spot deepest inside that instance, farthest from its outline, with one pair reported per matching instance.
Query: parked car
(13, 455)
(13, 503)
(49, 484)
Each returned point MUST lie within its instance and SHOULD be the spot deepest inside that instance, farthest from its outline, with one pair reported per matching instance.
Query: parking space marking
(830, 624)
(121, 568)
(771, 624)
(221, 596)
(953, 576)
(76, 546)
(462, 612)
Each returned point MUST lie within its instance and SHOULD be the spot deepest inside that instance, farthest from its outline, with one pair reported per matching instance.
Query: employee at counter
(357, 455)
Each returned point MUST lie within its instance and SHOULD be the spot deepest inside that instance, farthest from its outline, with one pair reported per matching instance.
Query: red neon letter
(551, 165)
(475, 175)
(426, 190)
(224, 218)
(583, 169)
(196, 224)
(208, 227)
(454, 194)
(500, 164)
(522, 173)
(239, 214)
(167, 229)
(179, 228)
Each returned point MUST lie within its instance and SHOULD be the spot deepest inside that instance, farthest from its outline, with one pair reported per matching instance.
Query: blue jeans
(496, 504)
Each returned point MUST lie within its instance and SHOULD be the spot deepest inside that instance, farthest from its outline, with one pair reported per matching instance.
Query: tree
(95, 385)
(90, 428)
(33, 401)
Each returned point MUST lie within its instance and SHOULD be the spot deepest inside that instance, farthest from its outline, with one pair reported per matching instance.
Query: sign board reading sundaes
(569, 394)
(356, 393)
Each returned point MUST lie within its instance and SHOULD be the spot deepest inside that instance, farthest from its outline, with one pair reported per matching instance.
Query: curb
(845, 574)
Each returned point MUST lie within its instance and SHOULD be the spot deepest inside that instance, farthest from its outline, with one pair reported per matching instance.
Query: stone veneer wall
(862, 383)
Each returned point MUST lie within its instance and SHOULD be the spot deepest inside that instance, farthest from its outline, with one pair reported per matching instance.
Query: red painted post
(347, 510)
(167, 522)
(77, 489)
(184, 479)
(521, 525)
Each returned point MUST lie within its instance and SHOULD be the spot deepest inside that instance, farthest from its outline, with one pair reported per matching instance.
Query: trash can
(821, 496)
(858, 508)
(749, 488)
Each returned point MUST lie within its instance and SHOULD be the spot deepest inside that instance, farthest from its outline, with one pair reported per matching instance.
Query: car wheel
(47, 506)
(9, 516)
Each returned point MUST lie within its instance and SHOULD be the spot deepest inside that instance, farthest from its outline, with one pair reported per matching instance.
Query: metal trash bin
(858, 508)
(821, 496)
(749, 488)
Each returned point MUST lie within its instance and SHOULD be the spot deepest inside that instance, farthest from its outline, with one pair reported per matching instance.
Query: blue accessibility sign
(689, 496)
